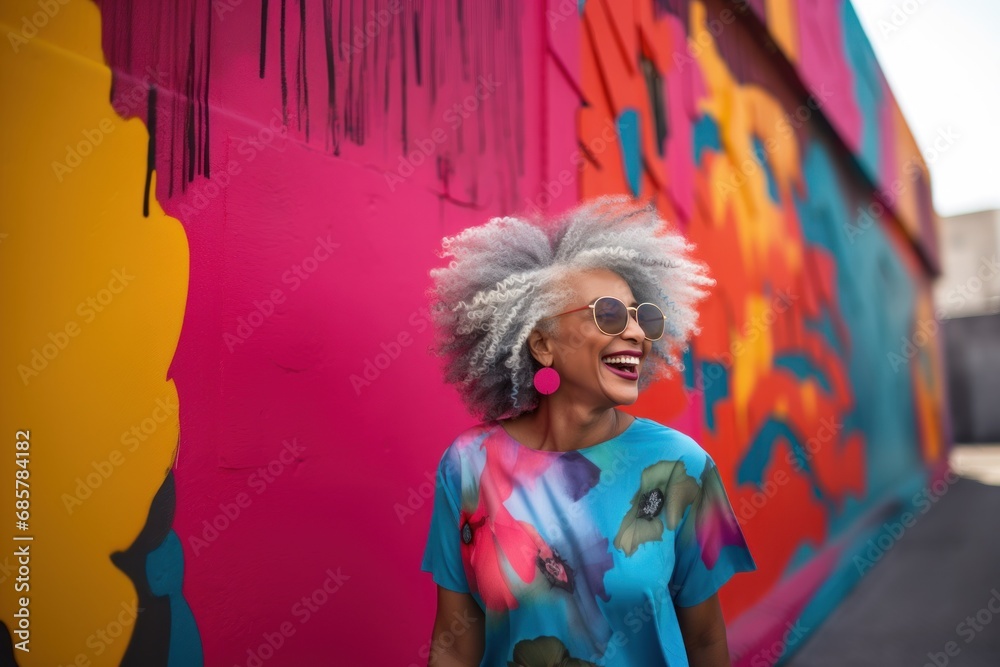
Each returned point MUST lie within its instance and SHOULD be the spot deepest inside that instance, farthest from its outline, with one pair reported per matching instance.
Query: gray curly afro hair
(510, 273)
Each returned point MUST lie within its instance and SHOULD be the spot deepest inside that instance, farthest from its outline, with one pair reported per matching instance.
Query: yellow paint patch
(809, 393)
(782, 22)
(926, 373)
(909, 168)
(738, 176)
(95, 300)
(755, 359)
(781, 408)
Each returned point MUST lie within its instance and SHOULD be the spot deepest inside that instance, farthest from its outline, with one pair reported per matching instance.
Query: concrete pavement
(934, 599)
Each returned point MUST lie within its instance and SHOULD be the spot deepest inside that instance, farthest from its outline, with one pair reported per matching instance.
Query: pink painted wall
(338, 363)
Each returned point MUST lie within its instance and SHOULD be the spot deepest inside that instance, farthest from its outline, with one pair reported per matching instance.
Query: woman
(565, 531)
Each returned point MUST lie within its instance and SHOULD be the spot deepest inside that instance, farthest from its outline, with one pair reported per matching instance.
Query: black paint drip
(151, 148)
(263, 36)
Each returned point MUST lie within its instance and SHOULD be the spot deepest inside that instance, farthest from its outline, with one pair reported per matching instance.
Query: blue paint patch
(580, 5)
(804, 552)
(867, 87)
(688, 361)
(802, 367)
(876, 297)
(165, 571)
(715, 382)
(852, 508)
(825, 328)
(761, 450)
(761, 154)
(706, 136)
(627, 125)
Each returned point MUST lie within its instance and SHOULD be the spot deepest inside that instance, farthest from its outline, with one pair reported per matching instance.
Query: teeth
(631, 361)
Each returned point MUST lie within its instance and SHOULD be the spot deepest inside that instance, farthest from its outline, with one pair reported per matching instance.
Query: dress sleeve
(443, 553)
(709, 545)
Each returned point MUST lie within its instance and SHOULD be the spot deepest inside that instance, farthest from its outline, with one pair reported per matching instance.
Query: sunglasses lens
(651, 320)
(611, 315)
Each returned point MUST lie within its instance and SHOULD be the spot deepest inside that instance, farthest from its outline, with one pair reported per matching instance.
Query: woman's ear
(540, 347)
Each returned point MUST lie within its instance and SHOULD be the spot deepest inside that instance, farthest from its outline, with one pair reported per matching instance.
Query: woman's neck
(551, 427)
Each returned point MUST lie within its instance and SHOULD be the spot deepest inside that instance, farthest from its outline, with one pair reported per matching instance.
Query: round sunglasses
(611, 316)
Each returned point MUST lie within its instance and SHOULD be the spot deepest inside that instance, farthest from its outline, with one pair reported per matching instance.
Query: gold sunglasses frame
(632, 312)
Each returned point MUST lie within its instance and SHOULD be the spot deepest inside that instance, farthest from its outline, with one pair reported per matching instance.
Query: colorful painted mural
(221, 218)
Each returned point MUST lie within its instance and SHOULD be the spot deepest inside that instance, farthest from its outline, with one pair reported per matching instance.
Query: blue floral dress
(578, 558)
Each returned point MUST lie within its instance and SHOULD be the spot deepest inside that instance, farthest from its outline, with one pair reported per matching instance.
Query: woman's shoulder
(469, 440)
(465, 453)
(667, 442)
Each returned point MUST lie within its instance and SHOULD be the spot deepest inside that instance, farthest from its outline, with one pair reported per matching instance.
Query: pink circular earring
(546, 380)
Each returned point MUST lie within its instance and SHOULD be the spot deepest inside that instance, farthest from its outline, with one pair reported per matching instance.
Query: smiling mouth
(625, 366)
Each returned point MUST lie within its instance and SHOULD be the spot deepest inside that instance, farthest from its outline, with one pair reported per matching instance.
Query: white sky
(943, 65)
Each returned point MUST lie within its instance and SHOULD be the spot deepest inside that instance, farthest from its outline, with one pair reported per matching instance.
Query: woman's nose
(633, 331)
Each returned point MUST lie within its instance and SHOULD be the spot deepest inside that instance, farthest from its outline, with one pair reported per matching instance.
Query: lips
(623, 364)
